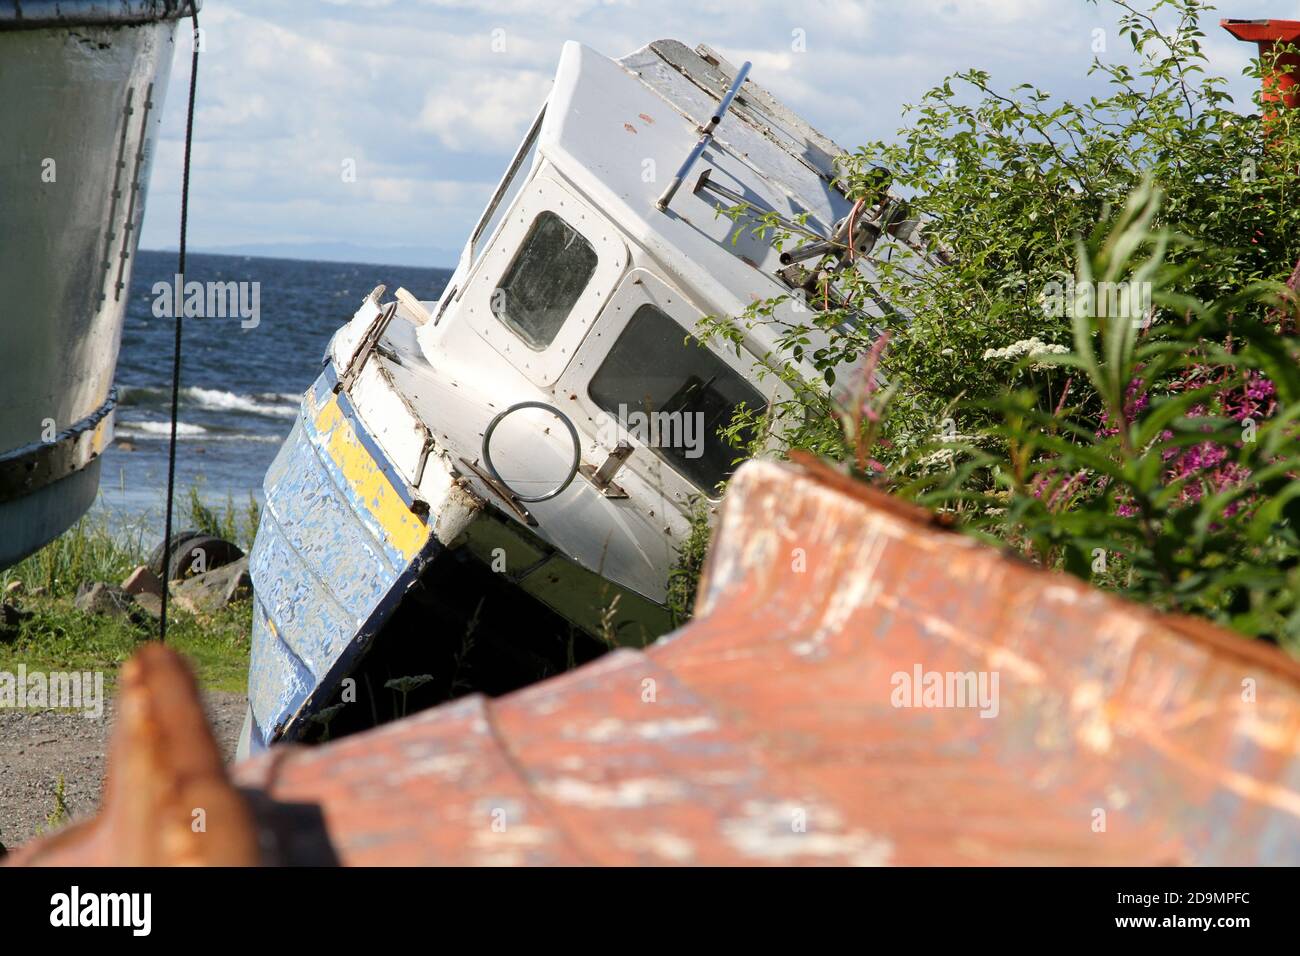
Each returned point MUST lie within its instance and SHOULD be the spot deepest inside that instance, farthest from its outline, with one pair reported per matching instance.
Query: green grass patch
(58, 637)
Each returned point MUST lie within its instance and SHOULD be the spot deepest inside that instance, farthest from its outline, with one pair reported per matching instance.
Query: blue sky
(428, 107)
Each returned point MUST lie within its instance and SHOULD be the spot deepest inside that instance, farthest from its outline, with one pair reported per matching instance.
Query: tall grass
(91, 550)
(233, 524)
(94, 549)
(684, 577)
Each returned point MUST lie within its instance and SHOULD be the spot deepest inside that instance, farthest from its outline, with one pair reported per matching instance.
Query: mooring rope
(176, 351)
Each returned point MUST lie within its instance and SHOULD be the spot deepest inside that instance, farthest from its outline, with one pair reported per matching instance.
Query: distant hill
(430, 257)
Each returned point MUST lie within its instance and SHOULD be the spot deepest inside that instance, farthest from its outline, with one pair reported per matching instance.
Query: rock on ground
(142, 581)
(11, 615)
(151, 604)
(101, 598)
(213, 590)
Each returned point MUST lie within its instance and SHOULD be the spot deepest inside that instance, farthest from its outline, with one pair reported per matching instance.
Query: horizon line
(300, 258)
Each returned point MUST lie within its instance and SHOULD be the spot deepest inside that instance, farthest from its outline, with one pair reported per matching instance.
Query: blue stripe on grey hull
(325, 574)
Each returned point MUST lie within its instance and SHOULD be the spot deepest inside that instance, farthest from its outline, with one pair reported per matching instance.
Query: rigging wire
(180, 313)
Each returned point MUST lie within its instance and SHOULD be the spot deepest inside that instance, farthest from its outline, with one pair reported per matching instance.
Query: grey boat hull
(81, 91)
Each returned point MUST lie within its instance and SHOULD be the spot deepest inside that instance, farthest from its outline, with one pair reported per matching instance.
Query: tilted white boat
(530, 444)
(81, 91)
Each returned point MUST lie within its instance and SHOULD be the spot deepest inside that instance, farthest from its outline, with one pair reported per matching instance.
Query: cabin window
(673, 395)
(546, 279)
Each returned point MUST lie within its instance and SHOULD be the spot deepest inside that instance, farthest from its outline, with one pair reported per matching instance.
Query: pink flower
(1203, 466)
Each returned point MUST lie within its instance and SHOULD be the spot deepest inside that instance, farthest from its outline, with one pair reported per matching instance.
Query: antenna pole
(705, 138)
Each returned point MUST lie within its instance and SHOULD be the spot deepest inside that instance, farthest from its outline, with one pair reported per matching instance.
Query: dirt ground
(35, 747)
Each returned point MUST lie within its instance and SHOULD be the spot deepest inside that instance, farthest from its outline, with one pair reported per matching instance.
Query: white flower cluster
(938, 459)
(1031, 347)
(945, 457)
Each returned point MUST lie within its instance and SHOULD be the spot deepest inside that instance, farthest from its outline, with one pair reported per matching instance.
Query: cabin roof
(619, 130)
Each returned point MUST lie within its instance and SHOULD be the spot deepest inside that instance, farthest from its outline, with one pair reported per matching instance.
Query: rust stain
(630, 128)
(770, 730)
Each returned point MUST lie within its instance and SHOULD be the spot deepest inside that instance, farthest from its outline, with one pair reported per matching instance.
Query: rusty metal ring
(573, 433)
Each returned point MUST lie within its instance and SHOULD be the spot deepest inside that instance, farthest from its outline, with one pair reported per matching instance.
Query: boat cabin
(532, 445)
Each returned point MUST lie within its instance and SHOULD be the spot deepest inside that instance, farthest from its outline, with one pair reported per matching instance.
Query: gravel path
(36, 746)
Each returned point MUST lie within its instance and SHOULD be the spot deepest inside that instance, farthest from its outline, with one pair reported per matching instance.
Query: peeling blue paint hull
(336, 550)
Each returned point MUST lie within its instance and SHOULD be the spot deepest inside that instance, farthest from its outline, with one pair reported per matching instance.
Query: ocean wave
(266, 404)
(140, 395)
(161, 428)
(270, 404)
(185, 431)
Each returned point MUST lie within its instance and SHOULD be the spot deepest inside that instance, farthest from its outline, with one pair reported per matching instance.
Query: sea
(240, 387)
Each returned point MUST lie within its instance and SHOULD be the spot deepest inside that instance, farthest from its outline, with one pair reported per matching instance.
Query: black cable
(176, 352)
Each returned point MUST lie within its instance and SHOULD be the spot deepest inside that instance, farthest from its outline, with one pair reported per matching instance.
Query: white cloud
(412, 91)
(490, 111)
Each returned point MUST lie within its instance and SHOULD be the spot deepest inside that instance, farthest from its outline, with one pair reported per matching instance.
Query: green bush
(1184, 492)
(1088, 347)
(1005, 182)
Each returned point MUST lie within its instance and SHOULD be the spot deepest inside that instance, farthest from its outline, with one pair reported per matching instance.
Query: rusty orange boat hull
(805, 716)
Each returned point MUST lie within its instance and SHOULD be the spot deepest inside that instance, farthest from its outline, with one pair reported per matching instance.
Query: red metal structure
(1280, 85)
(791, 722)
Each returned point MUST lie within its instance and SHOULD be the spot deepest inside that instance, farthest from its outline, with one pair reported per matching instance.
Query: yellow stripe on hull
(405, 532)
